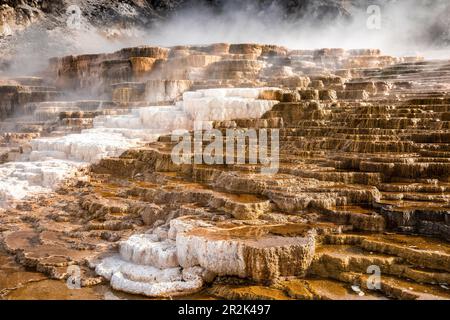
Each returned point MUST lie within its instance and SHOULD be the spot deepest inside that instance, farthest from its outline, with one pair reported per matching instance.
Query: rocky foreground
(363, 182)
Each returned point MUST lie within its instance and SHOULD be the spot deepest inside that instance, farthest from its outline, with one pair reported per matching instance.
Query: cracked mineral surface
(90, 195)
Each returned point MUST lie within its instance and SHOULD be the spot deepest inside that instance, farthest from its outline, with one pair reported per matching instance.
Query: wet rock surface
(362, 180)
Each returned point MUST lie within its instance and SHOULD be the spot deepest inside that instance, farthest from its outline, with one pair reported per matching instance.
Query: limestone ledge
(161, 264)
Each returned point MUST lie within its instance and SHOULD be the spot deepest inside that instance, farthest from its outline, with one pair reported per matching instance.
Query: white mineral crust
(54, 159)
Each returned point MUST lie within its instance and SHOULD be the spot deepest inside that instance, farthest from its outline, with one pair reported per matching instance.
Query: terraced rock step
(361, 179)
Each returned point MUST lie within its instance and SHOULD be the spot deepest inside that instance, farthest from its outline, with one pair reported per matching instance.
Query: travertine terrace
(87, 178)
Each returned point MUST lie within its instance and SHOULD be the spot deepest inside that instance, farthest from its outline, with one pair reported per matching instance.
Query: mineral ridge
(363, 181)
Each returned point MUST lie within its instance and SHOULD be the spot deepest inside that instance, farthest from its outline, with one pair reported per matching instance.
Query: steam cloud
(407, 27)
(412, 27)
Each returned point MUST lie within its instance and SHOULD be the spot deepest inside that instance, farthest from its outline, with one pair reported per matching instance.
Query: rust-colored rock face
(357, 208)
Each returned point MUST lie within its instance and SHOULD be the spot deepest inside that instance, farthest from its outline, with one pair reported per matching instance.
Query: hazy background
(408, 27)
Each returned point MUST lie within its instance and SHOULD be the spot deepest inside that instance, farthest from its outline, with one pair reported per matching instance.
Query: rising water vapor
(406, 27)
(413, 27)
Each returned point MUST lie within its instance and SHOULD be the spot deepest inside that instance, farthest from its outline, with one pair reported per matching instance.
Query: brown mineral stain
(414, 242)
(243, 198)
(230, 231)
(145, 184)
(290, 229)
(13, 275)
(248, 292)
(352, 209)
(334, 290)
(297, 289)
(56, 290)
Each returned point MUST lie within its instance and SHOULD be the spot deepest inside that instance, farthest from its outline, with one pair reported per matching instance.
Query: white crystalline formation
(181, 262)
(55, 159)
(158, 267)
(149, 265)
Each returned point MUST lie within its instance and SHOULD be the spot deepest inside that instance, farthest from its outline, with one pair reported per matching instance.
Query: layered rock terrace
(363, 177)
